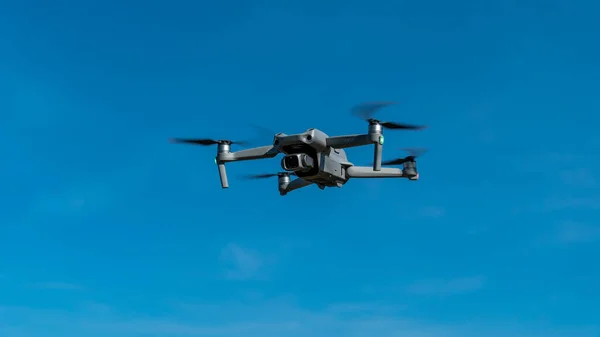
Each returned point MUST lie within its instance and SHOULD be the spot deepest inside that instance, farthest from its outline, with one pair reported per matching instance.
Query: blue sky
(106, 229)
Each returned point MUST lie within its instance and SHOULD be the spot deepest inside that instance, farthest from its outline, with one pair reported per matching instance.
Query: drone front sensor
(313, 157)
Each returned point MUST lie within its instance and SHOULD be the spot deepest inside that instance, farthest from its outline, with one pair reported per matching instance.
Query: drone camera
(297, 162)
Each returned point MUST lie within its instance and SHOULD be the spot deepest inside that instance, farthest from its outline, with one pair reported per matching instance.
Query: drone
(313, 157)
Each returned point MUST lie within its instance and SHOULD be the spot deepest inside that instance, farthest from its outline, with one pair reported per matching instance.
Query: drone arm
(262, 152)
(285, 188)
(374, 137)
(368, 172)
(342, 142)
(224, 156)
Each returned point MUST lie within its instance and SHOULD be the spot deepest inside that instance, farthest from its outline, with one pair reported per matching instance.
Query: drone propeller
(205, 141)
(265, 175)
(367, 110)
(412, 154)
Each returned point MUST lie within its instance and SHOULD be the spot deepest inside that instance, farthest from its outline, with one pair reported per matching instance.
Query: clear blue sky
(106, 229)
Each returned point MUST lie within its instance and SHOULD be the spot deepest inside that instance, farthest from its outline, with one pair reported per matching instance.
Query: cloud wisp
(432, 211)
(571, 203)
(580, 177)
(571, 232)
(447, 287)
(56, 286)
(268, 318)
(241, 263)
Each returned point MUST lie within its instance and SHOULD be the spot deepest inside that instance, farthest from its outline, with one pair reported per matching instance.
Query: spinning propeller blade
(367, 110)
(207, 141)
(401, 126)
(204, 141)
(412, 154)
(265, 175)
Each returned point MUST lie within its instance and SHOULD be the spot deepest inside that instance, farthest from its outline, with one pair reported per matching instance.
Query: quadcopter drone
(316, 158)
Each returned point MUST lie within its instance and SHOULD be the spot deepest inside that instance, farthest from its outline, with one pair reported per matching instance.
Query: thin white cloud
(444, 287)
(477, 229)
(267, 319)
(570, 170)
(481, 118)
(557, 203)
(97, 308)
(568, 202)
(241, 263)
(578, 177)
(365, 308)
(55, 286)
(78, 198)
(562, 157)
(432, 211)
(574, 232)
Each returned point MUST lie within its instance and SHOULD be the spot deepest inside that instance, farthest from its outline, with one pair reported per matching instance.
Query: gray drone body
(315, 158)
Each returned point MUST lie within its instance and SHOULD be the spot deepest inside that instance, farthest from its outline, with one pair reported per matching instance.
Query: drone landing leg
(375, 137)
(377, 157)
(224, 155)
(223, 175)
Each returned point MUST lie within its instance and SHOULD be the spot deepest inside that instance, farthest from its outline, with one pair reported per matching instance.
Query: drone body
(316, 158)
